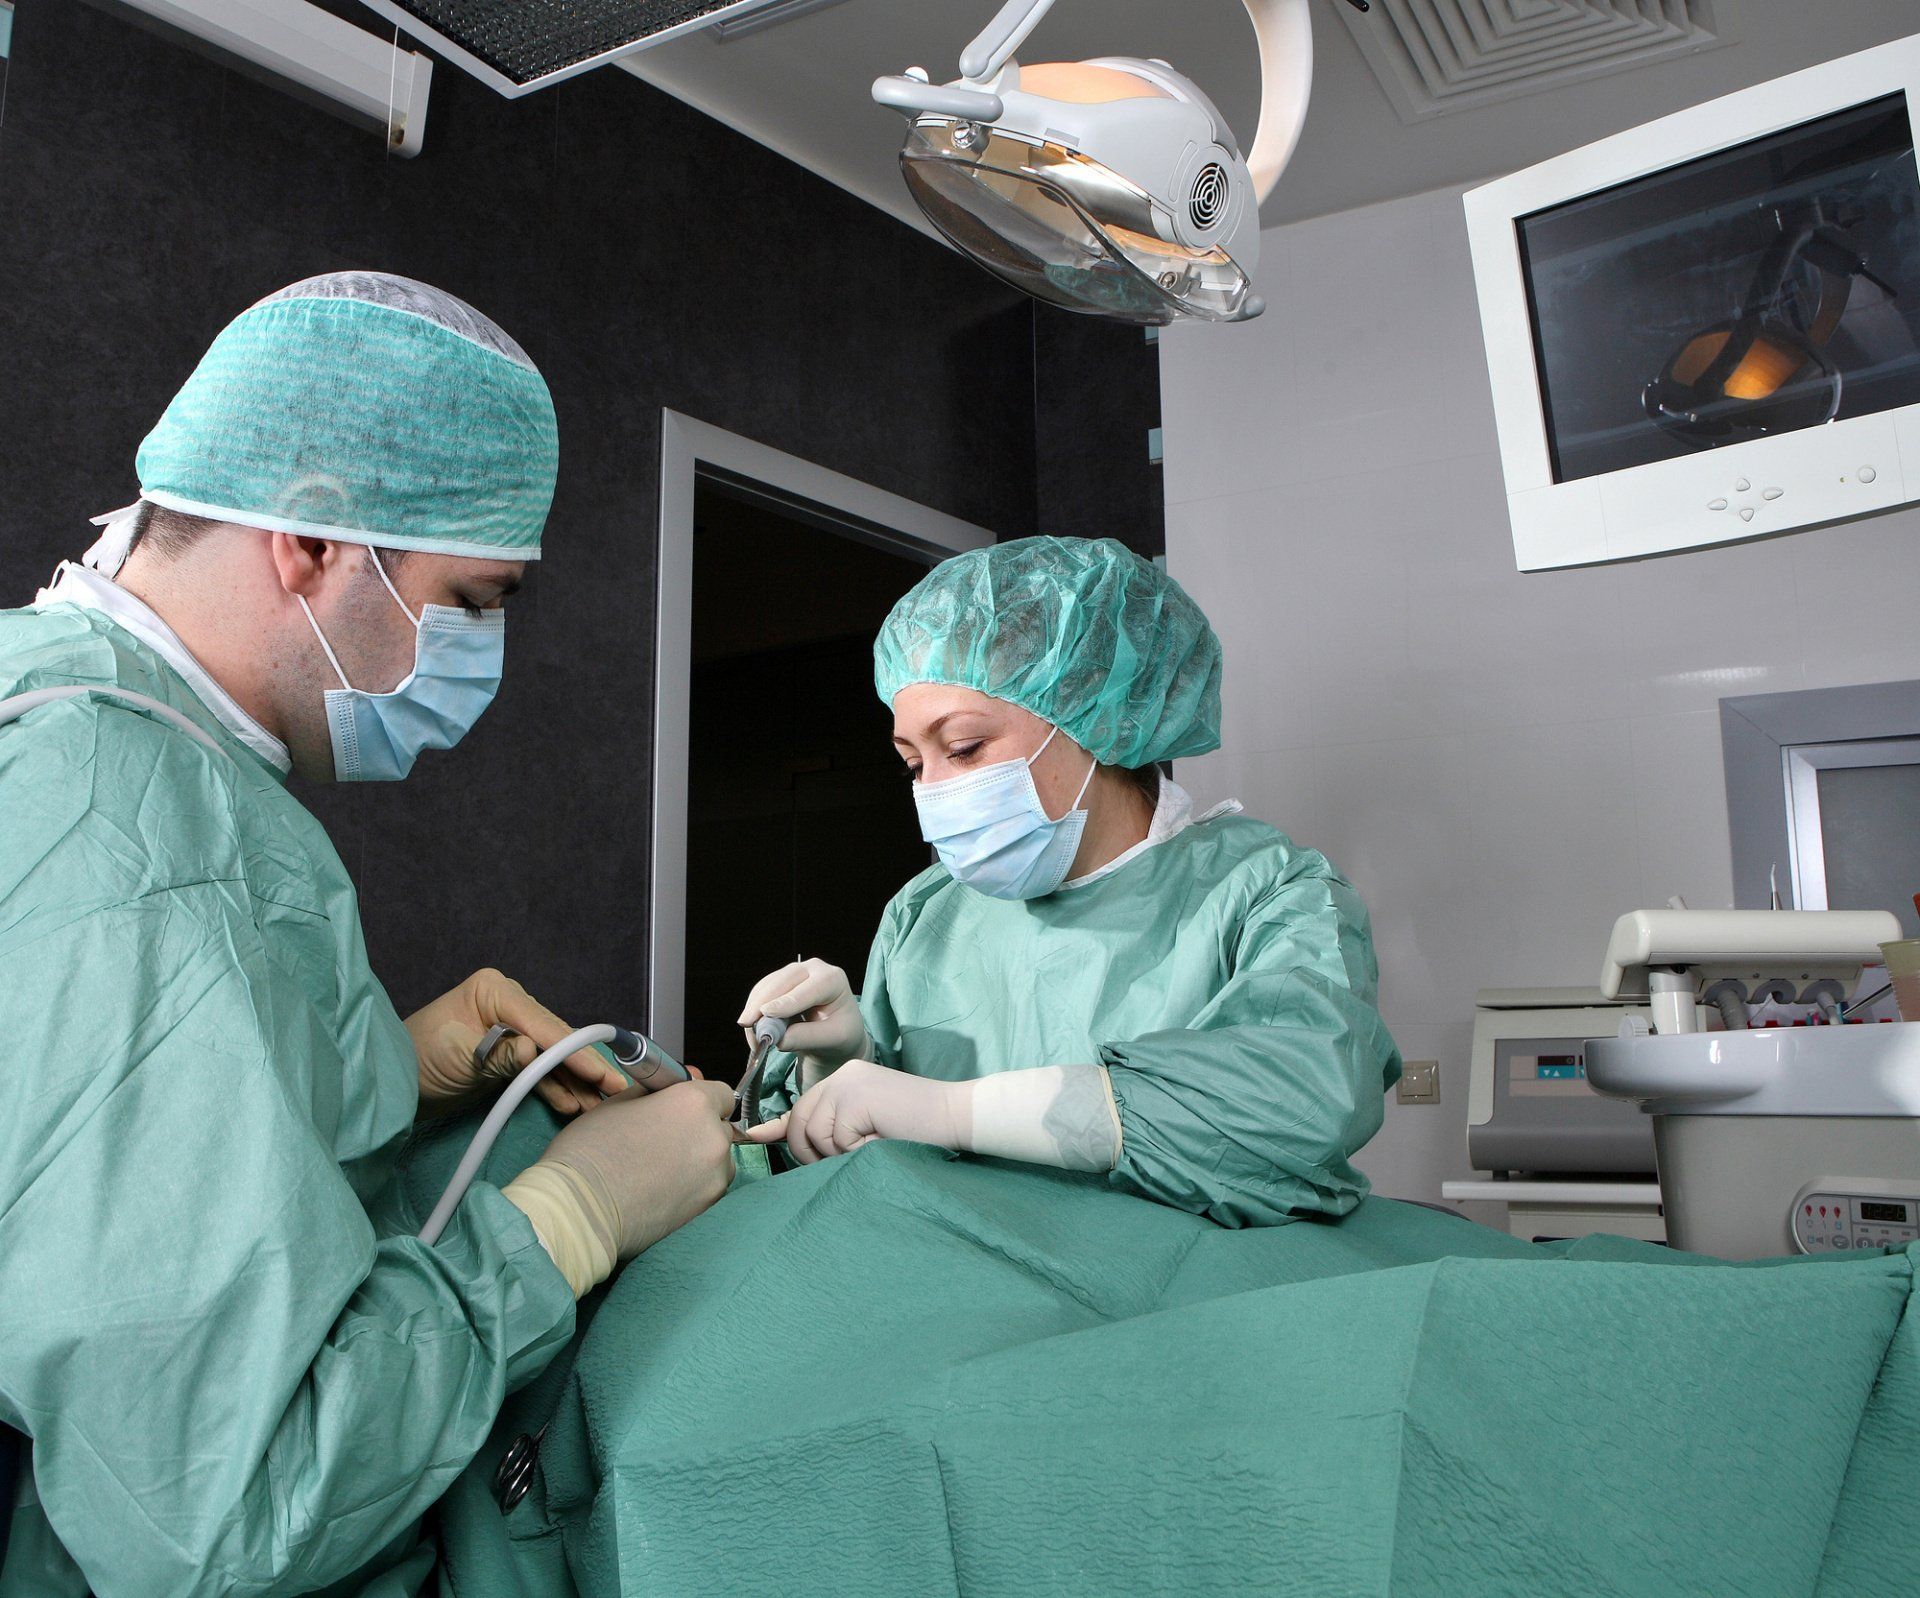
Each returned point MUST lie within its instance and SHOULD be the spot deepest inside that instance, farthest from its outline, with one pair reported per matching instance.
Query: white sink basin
(1866, 1070)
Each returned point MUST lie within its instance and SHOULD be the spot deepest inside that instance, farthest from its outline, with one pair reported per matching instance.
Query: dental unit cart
(1777, 1139)
(1565, 1160)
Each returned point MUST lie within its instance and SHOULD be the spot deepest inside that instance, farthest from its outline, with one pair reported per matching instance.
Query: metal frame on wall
(692, 451)
(1759, 737)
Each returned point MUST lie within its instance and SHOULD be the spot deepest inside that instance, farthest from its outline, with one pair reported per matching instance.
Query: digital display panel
(1762, 289)
(1875, 1210)
(1546, 1075)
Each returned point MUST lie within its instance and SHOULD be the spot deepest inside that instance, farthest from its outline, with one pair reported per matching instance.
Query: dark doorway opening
(800, 823)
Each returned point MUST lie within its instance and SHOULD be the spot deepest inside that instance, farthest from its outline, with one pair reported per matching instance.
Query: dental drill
(769, 1032)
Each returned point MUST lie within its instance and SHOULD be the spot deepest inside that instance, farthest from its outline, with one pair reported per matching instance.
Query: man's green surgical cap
(1082, 632)
(363, 407)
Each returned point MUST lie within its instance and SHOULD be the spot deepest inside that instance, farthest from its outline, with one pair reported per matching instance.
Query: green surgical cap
(363, 407)
(1082, 632)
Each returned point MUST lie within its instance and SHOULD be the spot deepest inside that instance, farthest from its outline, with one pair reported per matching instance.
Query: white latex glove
(829, 1030)
(862, 1101)
(1058, 1115)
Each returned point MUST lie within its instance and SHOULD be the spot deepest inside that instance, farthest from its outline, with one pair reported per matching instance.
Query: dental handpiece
(631, 1051)
(646, 1064)
(769, 1032)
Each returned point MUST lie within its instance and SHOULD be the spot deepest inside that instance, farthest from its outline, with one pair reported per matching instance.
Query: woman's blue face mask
(457, 661)
(993, 833)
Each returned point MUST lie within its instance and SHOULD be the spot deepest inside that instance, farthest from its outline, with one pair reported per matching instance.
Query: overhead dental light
(1112, 186)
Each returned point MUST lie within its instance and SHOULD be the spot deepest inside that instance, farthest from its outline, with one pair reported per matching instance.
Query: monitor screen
(1767, 287)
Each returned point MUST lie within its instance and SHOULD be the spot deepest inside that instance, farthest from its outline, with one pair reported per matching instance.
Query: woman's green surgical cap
(1082, 632)
(363, 407)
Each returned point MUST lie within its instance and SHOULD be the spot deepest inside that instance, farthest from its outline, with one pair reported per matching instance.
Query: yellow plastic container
(1903, 965)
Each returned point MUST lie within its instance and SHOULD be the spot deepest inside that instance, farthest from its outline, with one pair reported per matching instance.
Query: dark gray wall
(645, 256)
(1096, 398)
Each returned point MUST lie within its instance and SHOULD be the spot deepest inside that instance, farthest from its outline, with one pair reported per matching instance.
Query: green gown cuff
(489, 1235)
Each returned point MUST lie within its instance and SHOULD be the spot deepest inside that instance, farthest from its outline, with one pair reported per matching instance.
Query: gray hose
(631, 1051)
(509, 1101)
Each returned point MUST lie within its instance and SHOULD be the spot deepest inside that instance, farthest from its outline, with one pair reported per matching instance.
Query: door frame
(1759, 734)
(690, 451)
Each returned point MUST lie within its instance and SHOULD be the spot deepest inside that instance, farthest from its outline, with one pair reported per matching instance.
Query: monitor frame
(1853, 467)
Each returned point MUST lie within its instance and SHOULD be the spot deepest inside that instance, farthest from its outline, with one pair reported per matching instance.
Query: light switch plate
(1419, 1082)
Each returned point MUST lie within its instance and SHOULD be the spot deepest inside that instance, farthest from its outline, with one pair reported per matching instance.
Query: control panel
(1772, 485)
(1835, 1213)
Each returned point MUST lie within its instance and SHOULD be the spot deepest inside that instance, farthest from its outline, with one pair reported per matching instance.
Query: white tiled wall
(1501, 762)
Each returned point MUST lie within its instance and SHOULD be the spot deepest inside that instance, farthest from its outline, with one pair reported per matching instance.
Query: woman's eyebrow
(933, 727)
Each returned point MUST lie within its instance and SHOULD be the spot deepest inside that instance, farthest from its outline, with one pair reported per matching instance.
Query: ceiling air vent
(1434, 57)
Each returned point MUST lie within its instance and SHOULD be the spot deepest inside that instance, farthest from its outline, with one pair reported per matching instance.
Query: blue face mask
(993, 834)
(457, 659)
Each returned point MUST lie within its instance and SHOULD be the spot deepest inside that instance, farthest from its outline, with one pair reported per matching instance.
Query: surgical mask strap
(1091, 769)
(333, 660)
(380, 566)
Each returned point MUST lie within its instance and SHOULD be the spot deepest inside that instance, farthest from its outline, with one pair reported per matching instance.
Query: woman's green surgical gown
(1224, 977)
(239, 1370)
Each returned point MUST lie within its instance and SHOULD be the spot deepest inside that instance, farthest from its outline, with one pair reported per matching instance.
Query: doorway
(799, 824)
(783, 821)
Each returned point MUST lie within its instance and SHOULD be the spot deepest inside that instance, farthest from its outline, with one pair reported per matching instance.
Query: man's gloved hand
(827, 1029)
(862, 1101)
(446, 1032)
(617, 1180)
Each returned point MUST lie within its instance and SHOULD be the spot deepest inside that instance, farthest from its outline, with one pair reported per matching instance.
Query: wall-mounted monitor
(1708, 328)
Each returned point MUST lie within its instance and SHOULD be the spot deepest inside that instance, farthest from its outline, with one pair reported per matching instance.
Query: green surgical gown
(1224, 977)
(239, 1370)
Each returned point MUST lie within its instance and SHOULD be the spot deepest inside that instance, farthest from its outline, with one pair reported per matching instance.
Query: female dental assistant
(1092, 977)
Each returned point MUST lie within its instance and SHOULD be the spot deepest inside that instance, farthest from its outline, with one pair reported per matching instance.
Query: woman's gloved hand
(446, 1032)
(617, 1180)
(827, 1029)
(1059, 1115)
(862, 1101)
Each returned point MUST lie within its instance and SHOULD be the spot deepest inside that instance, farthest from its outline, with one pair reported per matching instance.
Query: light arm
(1001, 37)
(1285, 32)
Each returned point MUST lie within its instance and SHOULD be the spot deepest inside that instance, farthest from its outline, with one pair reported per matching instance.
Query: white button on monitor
(1716, 504)
(1746, 513)
(1741, 485)
(1866, 474)
(1771, 493)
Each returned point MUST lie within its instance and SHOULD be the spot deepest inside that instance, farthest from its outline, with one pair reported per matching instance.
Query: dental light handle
(916, 97)
(629, 1050)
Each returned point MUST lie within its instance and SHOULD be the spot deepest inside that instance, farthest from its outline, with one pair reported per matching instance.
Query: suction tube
(630, 1049)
